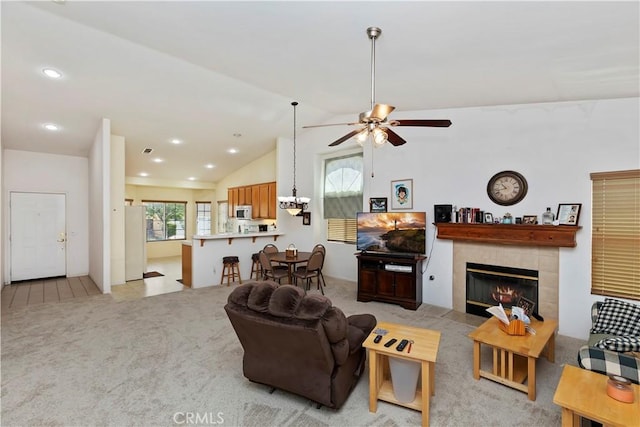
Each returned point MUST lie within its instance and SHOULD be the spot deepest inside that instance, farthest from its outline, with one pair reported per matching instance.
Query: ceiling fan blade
(425, 123)
(381, 111)
(394, 138)
(330, 124)
(344, 138)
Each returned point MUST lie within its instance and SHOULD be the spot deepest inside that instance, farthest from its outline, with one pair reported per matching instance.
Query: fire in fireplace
(489, 285)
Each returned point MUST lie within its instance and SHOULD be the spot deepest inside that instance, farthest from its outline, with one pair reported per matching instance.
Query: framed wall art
(306, 218)
(568, 213)
(378, 204)
(402, 194)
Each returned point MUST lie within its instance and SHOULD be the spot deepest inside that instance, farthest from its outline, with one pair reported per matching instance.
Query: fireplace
(489, 285)
(544, 260)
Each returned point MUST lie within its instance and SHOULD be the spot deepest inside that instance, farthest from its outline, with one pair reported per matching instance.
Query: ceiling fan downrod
(373, 33)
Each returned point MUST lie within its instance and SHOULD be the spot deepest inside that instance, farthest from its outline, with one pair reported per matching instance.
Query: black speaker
(442, 213)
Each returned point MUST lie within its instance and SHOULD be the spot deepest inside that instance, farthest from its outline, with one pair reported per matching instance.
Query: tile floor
(171, 267)
(35, 292)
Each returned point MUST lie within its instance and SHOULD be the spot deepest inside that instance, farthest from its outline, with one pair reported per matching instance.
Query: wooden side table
(583, 393)
(424, 349)
(514, 357)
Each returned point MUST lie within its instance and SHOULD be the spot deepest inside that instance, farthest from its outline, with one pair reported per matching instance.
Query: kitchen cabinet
(232, 196)
(391, 279)
(261, 197)
(255, 200)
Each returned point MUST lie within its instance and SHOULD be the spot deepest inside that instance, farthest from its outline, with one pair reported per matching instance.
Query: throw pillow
(617, 317)
(620, 344)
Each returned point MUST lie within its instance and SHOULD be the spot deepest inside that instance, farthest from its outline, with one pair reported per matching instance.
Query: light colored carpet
(148, 362)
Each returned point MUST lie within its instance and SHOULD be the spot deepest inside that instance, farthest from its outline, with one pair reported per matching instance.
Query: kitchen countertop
(231, 236)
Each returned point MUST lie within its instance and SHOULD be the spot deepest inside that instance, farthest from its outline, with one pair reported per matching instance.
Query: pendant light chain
(294, 103)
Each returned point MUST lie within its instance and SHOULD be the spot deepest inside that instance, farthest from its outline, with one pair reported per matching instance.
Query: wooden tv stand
(392, 279)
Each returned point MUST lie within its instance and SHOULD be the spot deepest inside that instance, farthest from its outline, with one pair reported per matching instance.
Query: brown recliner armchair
(298, 343)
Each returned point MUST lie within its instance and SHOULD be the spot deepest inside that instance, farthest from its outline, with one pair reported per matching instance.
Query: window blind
(615, 246)
(341, 230)
(343, 188)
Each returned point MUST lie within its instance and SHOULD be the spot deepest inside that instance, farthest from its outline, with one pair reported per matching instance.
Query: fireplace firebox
(489, 285)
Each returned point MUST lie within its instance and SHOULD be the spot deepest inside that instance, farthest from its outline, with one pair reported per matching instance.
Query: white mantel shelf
(231, 236)
(510, 234)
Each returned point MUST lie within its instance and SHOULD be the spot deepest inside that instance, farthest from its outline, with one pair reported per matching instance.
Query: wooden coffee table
(583, 393)
(424, 350)
(514, 357)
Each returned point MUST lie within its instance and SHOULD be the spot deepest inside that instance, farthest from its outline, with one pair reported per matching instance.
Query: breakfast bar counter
(207, 253)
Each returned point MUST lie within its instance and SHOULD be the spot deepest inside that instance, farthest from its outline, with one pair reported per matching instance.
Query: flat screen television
(401, 233)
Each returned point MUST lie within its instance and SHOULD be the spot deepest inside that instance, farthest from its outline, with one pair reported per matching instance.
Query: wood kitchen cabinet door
(232, 196)
(272, 207)
(255, 201)
(263, 190)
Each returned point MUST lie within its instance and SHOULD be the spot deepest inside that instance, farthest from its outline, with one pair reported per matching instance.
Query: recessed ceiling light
(232, 151)
(176, 141)
(50, 72)
(143, 174)
(209, 166)
(192, 178)
(51, 126)
(158, 160)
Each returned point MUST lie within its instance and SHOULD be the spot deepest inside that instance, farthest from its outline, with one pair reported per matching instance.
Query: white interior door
(38, 235)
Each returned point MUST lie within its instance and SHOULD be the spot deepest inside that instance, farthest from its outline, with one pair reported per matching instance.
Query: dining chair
(270, 248)
(321, 248)
(270, 271)
(311, 270)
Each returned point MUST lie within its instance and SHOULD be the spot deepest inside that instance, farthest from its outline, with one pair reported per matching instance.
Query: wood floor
(48, 290)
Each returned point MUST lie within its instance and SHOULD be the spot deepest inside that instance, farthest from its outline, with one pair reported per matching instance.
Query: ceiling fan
(374, 122)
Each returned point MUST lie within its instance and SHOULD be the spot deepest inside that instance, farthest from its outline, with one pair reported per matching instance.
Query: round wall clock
(507, 188)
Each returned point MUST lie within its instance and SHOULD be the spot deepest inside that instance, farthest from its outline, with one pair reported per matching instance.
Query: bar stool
(230, 267)
(256, 267)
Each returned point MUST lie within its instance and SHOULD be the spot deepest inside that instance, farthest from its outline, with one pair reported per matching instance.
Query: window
(343, 183)
(203, 218)
(165, 220)
(615, 234)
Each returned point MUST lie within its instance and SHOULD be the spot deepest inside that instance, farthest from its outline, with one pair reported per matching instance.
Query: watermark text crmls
(207, 418)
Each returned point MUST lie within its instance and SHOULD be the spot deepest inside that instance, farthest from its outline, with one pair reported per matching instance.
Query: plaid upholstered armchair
(614, 340)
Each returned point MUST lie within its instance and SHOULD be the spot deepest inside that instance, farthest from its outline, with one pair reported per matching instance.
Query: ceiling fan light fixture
(379, 137)
(362, 136)
(374, 122)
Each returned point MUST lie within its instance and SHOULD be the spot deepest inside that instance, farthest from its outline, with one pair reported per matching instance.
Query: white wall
(99, 204)
(555, 146)
(50, 173)
(116, 202)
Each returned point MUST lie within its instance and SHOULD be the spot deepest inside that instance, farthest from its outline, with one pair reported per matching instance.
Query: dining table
(289, 260)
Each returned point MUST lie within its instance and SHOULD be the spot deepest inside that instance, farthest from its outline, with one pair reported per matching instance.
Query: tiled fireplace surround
(543, 259)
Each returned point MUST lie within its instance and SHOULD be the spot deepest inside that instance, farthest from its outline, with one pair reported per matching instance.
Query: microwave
(243, 212)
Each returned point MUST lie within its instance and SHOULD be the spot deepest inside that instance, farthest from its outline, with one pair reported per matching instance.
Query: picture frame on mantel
(402, 194)
(569, 213)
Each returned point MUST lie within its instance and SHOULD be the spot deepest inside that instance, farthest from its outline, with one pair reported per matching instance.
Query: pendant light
(293, 204)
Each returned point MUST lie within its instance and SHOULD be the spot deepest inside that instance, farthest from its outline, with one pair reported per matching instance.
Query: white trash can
(404, 377)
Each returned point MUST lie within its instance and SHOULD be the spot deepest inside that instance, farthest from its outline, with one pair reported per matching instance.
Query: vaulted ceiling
(218, 75)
